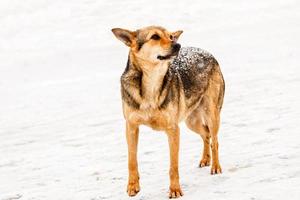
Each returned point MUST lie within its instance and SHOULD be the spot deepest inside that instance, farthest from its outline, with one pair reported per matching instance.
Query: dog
(164, 84)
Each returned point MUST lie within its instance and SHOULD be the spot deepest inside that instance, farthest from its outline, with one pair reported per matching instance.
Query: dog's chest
(153, 118)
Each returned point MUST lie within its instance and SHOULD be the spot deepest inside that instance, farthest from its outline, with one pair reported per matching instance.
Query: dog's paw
(216, 169)
(133, 188)
(175, 192)
(204, 162)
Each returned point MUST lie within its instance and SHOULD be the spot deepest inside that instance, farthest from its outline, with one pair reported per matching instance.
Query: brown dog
(164, 84)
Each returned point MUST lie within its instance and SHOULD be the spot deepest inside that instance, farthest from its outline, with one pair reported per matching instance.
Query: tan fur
(205, 120)
(203, 116)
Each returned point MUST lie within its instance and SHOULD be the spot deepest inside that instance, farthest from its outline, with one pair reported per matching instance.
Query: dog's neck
(151, 81)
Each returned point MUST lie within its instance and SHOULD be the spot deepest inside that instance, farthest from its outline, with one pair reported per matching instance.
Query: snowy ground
(61, 127)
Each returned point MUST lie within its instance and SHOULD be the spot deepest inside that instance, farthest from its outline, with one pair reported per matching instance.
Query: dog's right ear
(124, 35)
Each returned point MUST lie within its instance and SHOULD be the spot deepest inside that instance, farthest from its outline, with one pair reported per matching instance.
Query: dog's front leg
(132, 135)
(173, 138)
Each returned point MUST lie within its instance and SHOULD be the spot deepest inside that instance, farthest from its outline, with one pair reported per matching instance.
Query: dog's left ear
(124, 35)
(176, 34)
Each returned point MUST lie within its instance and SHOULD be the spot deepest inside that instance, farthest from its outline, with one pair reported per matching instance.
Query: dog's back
(196, 70)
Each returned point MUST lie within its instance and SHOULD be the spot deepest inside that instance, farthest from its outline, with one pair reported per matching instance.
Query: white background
(61, 125)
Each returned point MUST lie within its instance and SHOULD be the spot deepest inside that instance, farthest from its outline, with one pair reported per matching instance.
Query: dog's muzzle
(175, 49)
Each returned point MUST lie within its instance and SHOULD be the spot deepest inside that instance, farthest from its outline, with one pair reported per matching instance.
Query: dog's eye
(171, 37)
(155, 37)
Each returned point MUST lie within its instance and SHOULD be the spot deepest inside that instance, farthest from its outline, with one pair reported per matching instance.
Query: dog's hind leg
(195, 122)
(213, 126)
(205, 120)
(132, 134)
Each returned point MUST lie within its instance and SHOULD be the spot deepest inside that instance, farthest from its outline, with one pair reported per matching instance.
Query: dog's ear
(124, 35)
(176, 34)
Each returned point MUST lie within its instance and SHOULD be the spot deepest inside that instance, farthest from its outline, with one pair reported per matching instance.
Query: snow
(188, 56)
(61, 124)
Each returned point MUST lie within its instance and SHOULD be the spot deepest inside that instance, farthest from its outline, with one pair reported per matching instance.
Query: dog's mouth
(159, 57)
(175, 50)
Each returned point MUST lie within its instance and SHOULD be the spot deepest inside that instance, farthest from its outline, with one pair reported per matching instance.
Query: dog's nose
(176, 47)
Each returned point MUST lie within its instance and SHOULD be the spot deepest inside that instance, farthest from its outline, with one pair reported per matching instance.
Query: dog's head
(151, 44)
